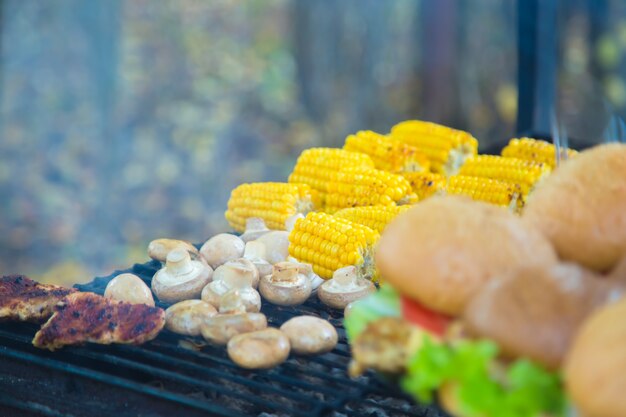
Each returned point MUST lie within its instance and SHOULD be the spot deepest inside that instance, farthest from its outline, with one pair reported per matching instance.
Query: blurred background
(124, 121)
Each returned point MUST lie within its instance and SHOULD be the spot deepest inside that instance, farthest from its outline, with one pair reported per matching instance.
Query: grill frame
(161, 377)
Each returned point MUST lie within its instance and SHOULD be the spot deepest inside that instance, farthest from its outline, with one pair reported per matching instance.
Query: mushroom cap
(256, 253)
(187, 317)
(344, 288)
(229, 299)
(310, 335)
(238, 273)
(222, 248)
(159, 248)
(181, 278)
(221, 328)
(129, 288)
(259, 350)
(276, 245)
(286, 286)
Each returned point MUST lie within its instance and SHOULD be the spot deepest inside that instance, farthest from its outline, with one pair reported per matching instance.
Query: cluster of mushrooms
(217, 293)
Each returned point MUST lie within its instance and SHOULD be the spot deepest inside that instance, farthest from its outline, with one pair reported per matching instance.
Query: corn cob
(496, 192)
(316, 166)
(358, 186)
(534, 150)
(274, 202)
(446, 148)
(387, 154)
(425, 184)
(329, 243)
(513, 170)
(374, 217)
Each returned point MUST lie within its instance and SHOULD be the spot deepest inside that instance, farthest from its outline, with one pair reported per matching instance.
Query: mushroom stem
(178, 262)
(286, 273)
(345, 276)
(232, 303)
(255, 224)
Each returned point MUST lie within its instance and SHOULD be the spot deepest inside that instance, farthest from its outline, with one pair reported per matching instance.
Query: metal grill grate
(164, 377)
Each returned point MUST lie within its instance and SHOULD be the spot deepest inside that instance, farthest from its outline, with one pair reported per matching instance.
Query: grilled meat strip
(87, 317)
(23, 299)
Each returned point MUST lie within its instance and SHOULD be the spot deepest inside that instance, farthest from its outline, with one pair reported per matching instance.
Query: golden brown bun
(595, 367)
(441, 251)
(535, 311)
(581, 207)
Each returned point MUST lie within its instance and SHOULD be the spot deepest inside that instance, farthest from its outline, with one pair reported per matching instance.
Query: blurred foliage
(125, 121)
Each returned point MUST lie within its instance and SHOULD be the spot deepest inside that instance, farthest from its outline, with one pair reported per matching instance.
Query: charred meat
(23, 299)
(88, 317)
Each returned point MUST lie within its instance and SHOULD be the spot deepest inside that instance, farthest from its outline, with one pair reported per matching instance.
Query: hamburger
(477, 312)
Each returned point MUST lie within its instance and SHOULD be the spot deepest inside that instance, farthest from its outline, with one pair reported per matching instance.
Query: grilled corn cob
(534, 150)
(358, 186)
(496, 192)
(425, 184)
(316, 166)
(374, 217)
(513, 170)
(387, 154)
(329, 243)
(274, 202)
(446, 148)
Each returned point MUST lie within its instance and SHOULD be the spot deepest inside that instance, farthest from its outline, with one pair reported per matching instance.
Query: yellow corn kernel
(316, 166)
(357, 186)
(274, 202)
(374, 217)
(446, 148)
(425, 184)
(329, 243)
(387, 154)
(534, 150)
(492, 191)
(517, 171)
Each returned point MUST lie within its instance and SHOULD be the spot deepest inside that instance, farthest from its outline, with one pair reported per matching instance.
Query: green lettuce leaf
(524, 389)
(383, 303)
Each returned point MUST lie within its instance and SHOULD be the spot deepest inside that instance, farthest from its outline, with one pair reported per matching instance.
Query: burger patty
(88, 317)
(23, 299)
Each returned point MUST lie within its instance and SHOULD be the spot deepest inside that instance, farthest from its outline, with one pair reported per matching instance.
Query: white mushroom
(129, 288)
(259, 350)
(181, 278)
(291, 221)
(286, 286)
(221, 328)
(307, 269)
(276, 246)
(344, 287)
(222, 248)
(159, 248)
(310, 335)
(255, 252)
(255, 228)
(243, 267)
(187, 317)
(232, 278)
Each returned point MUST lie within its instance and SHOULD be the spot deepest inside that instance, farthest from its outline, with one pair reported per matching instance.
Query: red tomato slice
(421, 316)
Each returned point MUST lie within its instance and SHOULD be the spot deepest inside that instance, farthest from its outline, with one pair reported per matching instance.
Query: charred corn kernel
(534, 150)
(358, 186)
(387, 154)
(374, 217)
(274, 202)
(446, 148)
(316, 166)
(513, 170)
(329, 243)
(496, 192)
(425, 184)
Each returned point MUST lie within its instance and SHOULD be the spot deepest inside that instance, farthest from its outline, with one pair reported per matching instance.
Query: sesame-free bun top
(581, 207)
(441, 251)
(595, 366)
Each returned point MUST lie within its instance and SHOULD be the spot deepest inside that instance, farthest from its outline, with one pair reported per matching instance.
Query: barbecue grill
(172, 375)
